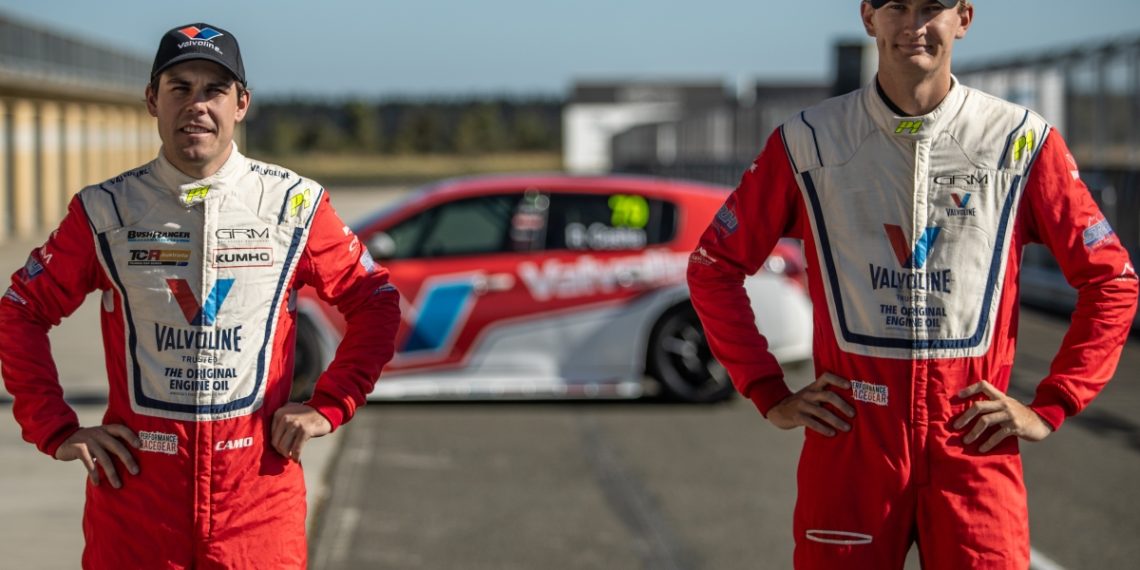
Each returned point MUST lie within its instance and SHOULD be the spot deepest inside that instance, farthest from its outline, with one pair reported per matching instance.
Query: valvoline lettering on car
(587, 275)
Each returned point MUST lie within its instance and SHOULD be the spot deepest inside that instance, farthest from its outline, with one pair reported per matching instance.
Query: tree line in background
(405, 126)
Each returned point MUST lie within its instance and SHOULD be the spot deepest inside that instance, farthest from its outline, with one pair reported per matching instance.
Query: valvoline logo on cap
(196, 33)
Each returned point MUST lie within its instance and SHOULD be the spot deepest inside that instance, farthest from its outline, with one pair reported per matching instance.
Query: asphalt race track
(658, 485)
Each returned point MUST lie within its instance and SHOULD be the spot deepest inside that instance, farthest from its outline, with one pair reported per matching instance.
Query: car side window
(464, 227)
(600, 222)
(407, 234)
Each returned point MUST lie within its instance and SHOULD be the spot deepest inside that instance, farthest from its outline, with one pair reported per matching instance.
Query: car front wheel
(680, 359)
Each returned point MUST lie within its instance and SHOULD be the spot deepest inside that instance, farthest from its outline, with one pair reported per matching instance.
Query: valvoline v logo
(962, 201)
(912, 258)
(204, 314)
(196, 33)
(441, 310)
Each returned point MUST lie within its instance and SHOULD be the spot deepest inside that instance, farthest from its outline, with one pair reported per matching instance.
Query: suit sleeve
(755, 216)
(339, 267)
(1065, 218)
(52, 284)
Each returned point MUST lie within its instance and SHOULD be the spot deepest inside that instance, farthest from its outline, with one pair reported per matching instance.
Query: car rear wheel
(307, 361)
(680, 359)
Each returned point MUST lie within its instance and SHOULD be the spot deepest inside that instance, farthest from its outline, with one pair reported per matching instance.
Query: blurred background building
(71, 113)
(1090, 92)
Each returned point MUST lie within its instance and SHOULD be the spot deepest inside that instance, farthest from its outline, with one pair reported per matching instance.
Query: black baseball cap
(879, 3)
(199, 41)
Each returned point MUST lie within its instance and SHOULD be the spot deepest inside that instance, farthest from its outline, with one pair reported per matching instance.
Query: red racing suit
(198, 281)
(913, 229)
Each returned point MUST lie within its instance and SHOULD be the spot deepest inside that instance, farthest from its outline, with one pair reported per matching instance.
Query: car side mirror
(381, 246)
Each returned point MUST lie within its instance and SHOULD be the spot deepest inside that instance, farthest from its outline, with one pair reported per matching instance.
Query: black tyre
(308, 361)
(680, 359)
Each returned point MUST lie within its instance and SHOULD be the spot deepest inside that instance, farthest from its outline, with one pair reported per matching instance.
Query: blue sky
(539, 47)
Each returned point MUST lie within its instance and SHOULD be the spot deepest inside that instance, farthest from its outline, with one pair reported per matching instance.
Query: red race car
(553, 286)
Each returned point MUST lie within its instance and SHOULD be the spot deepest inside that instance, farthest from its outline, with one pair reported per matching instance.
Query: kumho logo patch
(242, 257)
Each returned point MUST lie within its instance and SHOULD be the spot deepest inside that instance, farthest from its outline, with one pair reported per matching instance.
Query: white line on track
(1038, 561)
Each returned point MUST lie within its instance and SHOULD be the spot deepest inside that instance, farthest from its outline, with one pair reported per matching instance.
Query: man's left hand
(1011, 417)
(294, 425)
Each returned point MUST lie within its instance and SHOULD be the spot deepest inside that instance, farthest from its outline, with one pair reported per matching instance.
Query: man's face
(197, 104)
(915, 35)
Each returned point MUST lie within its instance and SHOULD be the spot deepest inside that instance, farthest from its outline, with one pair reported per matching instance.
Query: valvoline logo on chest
(912, 259)
(205, 313)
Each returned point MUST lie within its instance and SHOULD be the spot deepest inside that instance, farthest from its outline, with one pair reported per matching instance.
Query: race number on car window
(607, 222)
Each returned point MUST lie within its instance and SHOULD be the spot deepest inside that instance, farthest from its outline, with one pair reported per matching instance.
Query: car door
(454, 264)
(605, 253)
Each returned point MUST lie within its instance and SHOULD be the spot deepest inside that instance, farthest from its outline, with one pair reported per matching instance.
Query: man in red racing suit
(198, 256)
(913, 221)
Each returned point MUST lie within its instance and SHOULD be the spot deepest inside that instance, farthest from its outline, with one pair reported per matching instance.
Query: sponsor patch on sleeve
(32, 269)
(14, 297)
(1098, 234)
(870, 393)
(701, 257)
(725, 221)
(366, 261)
(1074, 171)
